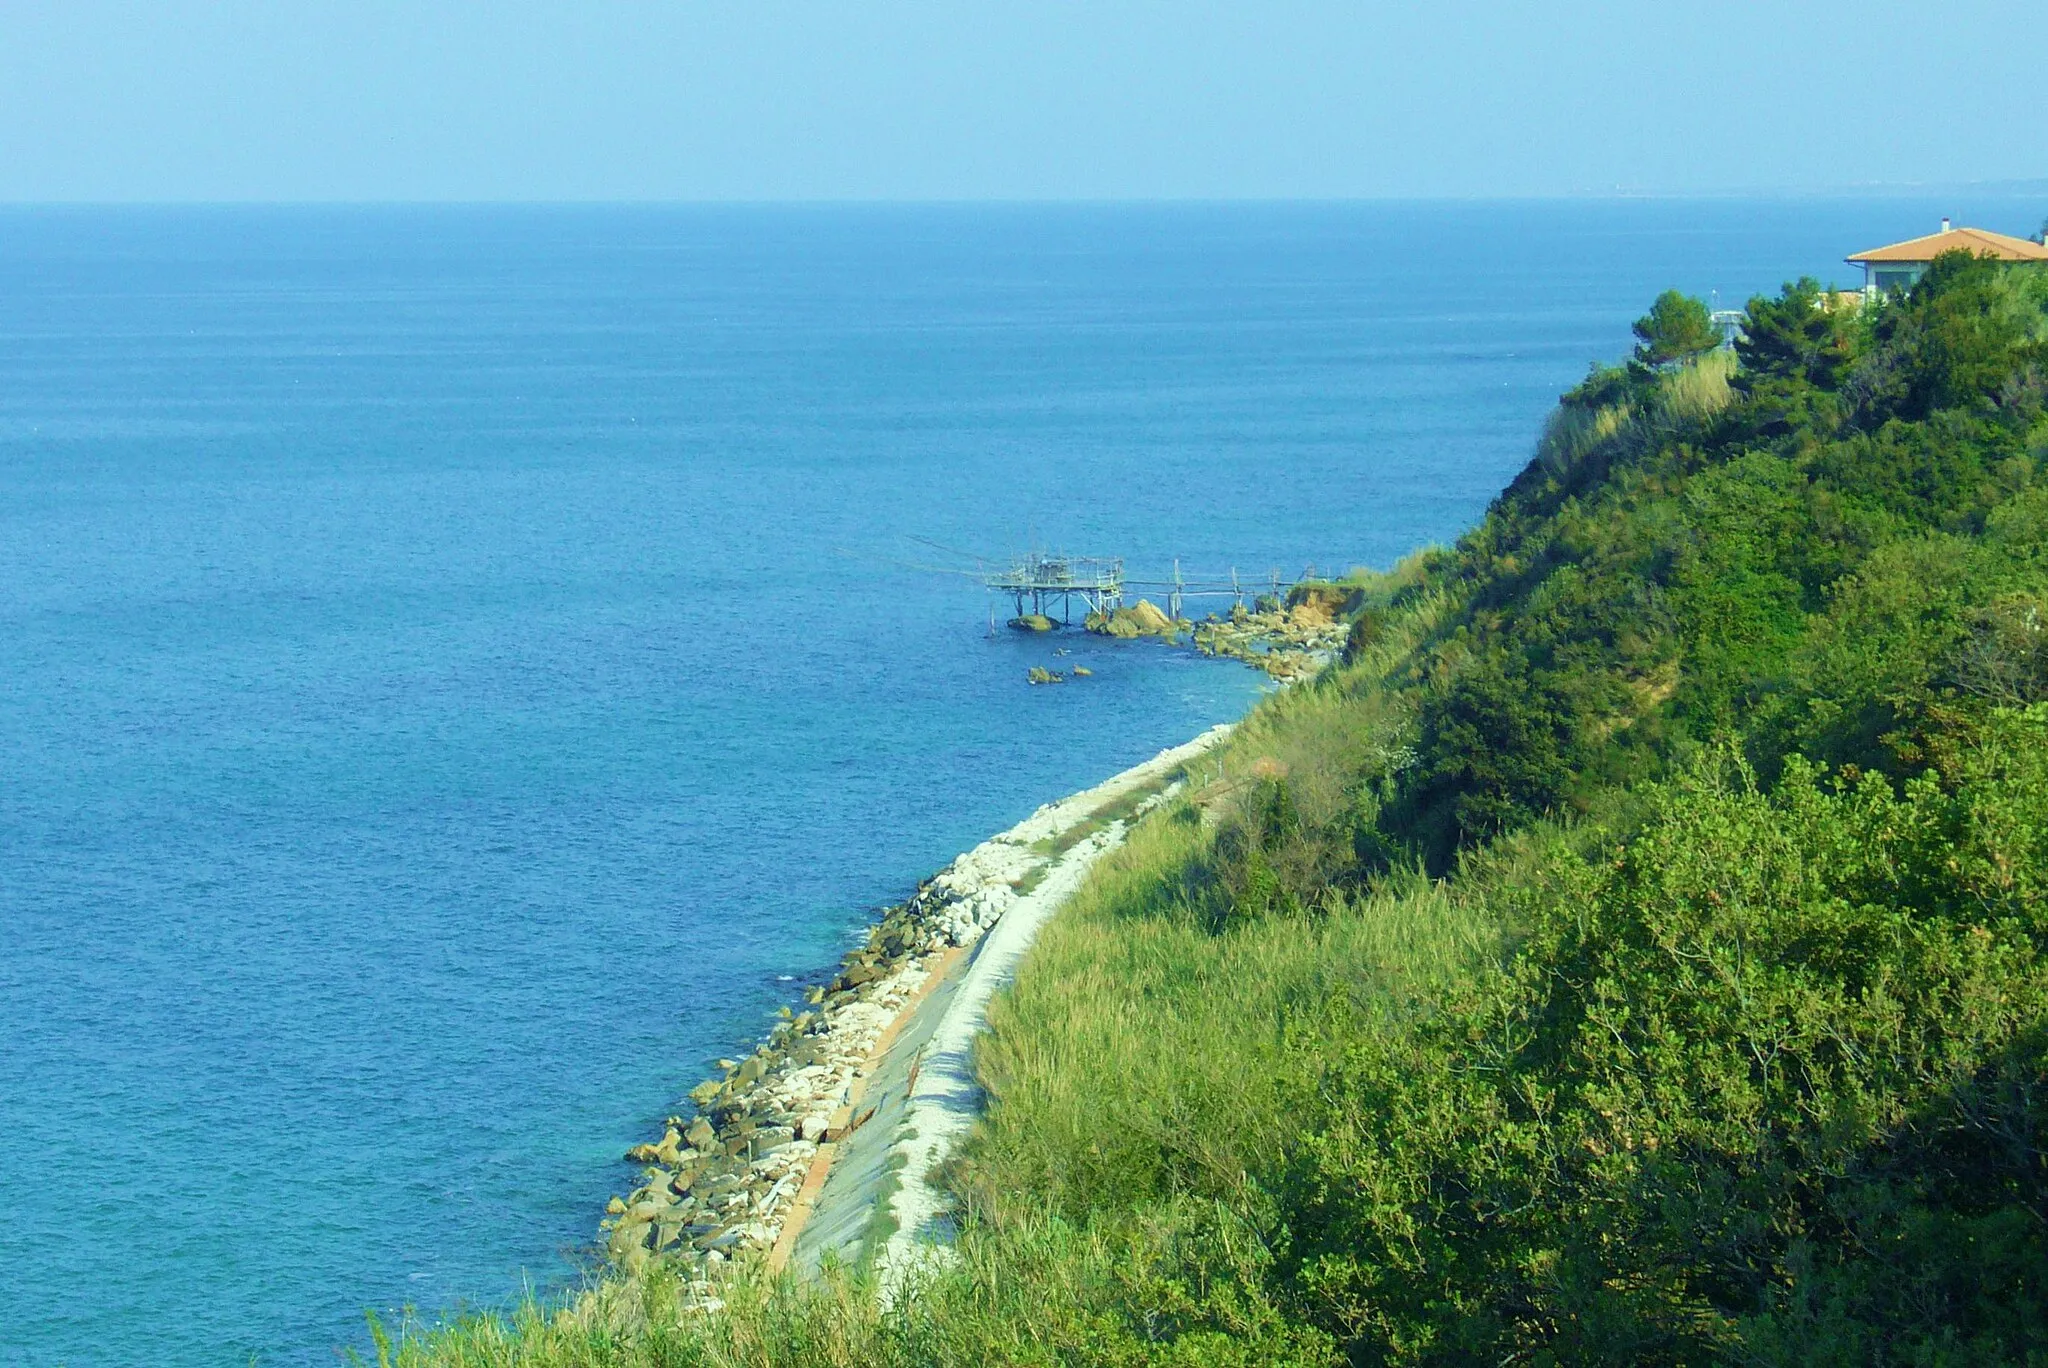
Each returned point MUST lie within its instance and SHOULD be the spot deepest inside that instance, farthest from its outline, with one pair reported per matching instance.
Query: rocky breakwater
(720, 1186)
(1290, 639)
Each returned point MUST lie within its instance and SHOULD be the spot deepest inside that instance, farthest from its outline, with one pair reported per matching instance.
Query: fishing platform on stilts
(1053, 581)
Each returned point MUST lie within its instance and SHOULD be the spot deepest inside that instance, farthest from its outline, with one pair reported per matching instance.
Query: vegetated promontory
(1632, 952)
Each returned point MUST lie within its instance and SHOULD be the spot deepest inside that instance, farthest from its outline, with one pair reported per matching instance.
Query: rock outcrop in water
(1291, 639)
(1143, 618)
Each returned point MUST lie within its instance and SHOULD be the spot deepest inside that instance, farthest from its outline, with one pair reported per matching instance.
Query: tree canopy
(1677, 328)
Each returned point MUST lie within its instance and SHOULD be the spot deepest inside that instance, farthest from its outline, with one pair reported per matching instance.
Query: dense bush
(1764, 1078)
(1767, 1074)
(1648, 586)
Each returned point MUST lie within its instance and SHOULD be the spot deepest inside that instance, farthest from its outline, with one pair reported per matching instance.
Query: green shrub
(1768, 1072)
(1677, 328)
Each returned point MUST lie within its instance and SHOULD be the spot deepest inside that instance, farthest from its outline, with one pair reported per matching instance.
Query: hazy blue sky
(781, 99)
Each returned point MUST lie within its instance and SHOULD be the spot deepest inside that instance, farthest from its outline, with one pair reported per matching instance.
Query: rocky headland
(1291, 638)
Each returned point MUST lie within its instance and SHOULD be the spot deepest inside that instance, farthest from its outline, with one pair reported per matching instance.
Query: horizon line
(2013, 188)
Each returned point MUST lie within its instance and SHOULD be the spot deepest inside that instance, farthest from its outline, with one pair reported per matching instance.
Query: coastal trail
(870, 1192)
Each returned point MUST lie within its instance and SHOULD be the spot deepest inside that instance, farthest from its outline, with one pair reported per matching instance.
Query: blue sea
(462, 669)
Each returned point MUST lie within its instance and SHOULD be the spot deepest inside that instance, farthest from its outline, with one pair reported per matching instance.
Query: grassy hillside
(1632, 953)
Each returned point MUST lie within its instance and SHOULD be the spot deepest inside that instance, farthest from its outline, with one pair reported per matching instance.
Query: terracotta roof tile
(1956, 239)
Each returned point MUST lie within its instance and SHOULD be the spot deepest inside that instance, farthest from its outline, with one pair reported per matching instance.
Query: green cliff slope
(1633, 953)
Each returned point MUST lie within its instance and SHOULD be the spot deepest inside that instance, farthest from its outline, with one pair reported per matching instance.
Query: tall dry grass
(1686, 394)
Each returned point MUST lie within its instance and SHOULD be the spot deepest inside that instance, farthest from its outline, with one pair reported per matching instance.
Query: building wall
(1888, 277)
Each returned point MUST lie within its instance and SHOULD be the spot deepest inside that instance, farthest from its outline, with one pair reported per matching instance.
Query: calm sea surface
(461, 670)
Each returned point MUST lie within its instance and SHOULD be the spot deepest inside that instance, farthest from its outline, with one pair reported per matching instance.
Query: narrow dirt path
(870, 1193)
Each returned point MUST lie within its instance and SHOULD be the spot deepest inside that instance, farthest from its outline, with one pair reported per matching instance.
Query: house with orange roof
(1888, 270)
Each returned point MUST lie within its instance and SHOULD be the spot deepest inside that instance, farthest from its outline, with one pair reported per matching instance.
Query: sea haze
(462, 669)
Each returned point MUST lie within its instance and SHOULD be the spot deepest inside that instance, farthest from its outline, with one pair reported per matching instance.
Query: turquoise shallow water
(459, 674)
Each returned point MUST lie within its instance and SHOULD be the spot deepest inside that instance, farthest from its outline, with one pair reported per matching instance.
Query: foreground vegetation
(1632, 953)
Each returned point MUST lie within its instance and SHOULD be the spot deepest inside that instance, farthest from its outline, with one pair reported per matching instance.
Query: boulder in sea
(667, 1152)
(1033, 622)
(1083, 670)
(1038, 674)
(1148, 618)
(1143, 618)
(644, 1209)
